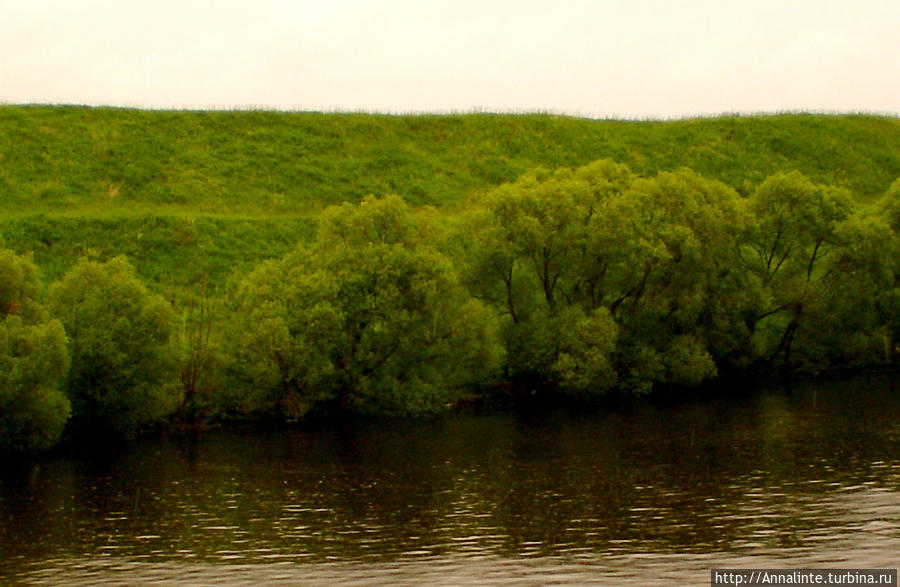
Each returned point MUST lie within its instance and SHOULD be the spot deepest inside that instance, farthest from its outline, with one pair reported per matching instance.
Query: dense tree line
(575, 281)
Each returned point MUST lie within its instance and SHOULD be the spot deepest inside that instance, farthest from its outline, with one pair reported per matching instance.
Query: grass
(196, 195)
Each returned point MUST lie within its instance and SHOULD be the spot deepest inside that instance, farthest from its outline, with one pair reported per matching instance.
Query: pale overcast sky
(601, 58)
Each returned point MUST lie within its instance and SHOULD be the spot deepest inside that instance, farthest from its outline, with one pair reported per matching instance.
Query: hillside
(621, 267)
(199, 193)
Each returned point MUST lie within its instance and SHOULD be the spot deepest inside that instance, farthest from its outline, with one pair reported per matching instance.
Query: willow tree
(791, 247)
(667, 270)
(880, 245)
(370, 317)
(858, 310)
(639, 273)
(123, 373)
(526, 247)
(33, 361)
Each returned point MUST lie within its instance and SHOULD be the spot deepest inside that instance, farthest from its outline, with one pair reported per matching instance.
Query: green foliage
(794, 244)
(889, 205)
(526, 242)
(651, 260)
(863, 303)
(587, 343)
(411, 334)
(283, 323)
(123, 364)
(387, 220)
(588, 255)
(198, 341)
(687, 361)
(889, 301)
(33, 361)
(688, 276)
(19, 283)
(367, 319)
(526, 245)
(672, 279)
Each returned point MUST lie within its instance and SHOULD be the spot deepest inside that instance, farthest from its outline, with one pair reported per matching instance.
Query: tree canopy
(33, 361)
(370, 318)
(123, 364)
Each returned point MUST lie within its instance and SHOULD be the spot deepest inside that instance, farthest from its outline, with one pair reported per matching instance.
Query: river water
(641, 494)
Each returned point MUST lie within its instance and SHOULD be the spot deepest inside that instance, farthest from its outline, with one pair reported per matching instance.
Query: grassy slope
(194, 194)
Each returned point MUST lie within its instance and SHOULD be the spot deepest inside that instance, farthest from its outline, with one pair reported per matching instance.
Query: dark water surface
(642, 495)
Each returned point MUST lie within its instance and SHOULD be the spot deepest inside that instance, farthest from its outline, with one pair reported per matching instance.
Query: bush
(33, 361)
(123, 365)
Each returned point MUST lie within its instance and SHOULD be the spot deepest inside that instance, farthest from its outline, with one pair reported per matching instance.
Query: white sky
(603, 58)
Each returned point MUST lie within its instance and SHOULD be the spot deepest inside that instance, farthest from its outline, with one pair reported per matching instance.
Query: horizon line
(475, 110)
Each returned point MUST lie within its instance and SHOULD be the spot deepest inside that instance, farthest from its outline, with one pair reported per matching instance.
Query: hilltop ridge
(190, 193)
(55, 159)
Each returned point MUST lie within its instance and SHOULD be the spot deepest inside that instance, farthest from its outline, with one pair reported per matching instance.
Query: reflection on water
(647, 494)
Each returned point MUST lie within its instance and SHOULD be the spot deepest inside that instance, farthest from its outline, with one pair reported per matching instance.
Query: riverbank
(123, 310)
(502, 402)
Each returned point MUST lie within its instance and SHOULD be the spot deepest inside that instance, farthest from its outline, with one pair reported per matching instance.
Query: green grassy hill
(194, 195)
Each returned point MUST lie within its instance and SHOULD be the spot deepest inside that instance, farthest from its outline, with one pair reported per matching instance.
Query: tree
(584, 362)
(536, 231)
(526, 247)
(856, 314)
(888, 302)
(33, 362)
(637, 273)
(123, 365)
(284, 323)
(369, 318)
(198, 342)
(411, 335)
(665, 267)
(791, 246)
